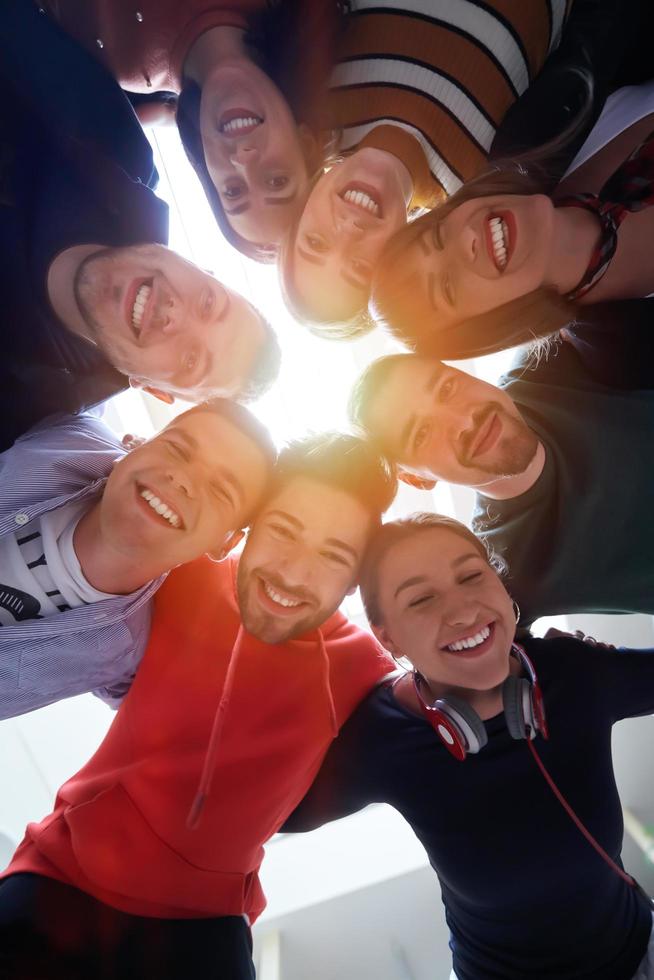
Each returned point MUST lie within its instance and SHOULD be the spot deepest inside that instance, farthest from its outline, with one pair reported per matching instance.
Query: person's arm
(346, 779)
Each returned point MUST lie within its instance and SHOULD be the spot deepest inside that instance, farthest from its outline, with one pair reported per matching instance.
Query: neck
(61, 287)
(576, 233)
(210, 49)
(104, 567)
(486, 704)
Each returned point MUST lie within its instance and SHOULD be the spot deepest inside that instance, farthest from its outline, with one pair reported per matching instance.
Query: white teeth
(276, 597)
(161, 508)
(243, 122)
(140, 302)
(362, 200)
(470, 641)
(500, 236)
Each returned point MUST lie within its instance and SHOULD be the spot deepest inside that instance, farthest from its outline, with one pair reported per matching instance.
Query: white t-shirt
(621, 110)
(39, 571)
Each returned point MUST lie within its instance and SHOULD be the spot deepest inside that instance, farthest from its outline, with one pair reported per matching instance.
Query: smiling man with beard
(158, 840)
(558, 462)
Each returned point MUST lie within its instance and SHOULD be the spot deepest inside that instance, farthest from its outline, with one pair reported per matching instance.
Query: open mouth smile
(500, 238)
(487, 435)
(278, 601)
(164, 513)
(239, 122)
(474, 644)
(362, 197)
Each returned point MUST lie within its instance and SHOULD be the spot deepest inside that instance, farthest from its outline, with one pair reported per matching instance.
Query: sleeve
(622, 678)
(58, 457)
(346, 780)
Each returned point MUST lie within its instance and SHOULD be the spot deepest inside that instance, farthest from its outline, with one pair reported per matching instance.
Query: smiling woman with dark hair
(508, 260)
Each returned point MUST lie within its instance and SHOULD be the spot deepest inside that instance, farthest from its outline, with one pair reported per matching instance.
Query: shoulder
(71, 431)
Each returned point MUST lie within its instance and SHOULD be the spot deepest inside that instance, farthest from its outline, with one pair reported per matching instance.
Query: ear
(163, 396)
(230, 542)
(381, 633)
(352, 589)
(419, 482)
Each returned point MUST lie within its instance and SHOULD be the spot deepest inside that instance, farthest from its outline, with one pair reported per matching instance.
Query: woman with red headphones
(499, 756)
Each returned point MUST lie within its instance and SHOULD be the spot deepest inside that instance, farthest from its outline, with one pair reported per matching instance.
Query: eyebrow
(287, 517)
(416, 580)
(428, 389)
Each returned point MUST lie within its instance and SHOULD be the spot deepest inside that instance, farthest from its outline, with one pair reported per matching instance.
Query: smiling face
(483, 254)
(445, 609)
(351, 213)
(253, 150)
(301, 558)
(444, 424)
(180, 494)
(166, 323)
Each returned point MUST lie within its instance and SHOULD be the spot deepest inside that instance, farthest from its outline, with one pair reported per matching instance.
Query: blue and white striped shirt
(95, 647)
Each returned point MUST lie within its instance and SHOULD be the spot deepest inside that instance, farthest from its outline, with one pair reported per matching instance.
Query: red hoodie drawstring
(204, 786)
(330, 697)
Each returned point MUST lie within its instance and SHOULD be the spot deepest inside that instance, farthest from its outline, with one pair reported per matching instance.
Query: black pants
(50, 931)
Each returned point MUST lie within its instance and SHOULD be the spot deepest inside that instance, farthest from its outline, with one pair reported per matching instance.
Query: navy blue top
(74, 169)
(525, 894)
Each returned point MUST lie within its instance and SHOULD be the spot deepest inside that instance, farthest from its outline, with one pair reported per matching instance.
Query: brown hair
(397, 304)
(388, 535)
(344, 462)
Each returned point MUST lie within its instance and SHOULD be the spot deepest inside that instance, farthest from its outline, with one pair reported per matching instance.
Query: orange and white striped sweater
(431, 80)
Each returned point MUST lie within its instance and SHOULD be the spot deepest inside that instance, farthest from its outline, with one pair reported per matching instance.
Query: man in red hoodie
(148, 865)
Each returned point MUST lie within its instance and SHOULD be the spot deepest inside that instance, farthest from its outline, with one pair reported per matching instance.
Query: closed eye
(338, 559)
(420, 601)
(282, 532)
(221, 492)
(473, 577)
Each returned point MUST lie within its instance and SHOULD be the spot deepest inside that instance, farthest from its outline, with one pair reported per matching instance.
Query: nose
(460, 611)
(468, 244)
(182, 481)
(349, 225)
(243, 156)
(296, 568)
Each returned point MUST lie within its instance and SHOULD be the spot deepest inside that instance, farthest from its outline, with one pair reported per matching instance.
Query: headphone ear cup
(514, 690)
(467, 720)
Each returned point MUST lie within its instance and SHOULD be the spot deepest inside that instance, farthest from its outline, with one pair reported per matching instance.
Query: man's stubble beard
(514, 451)
(255, 623)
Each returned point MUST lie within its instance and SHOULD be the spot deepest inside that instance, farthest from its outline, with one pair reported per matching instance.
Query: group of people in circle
(472, 177)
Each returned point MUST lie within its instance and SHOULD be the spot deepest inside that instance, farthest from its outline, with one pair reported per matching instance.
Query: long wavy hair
(280, 38)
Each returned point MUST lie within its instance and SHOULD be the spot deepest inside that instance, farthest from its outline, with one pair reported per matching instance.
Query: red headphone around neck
(460, 728)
